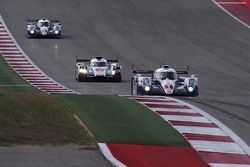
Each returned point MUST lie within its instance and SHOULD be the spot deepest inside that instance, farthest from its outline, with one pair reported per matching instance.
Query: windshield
(164, 75)
(43, 24)
(98, 64)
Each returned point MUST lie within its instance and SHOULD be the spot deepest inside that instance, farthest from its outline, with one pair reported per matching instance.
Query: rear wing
(32, 22)
(143, 72)
(183, 72)
(82, 60)
(79, 60)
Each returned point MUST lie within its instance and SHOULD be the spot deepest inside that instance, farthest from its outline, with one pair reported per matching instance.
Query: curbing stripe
(207, 134)
(185, 118)
(21, 63)
(216, 147)
(200, 130)
(108, 155)
(188, 123)
(189, 136)
(171, 110)
(178, 113)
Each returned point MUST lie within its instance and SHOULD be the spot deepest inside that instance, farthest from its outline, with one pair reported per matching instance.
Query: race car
(98, 69)
(44, 28)
(164, 81)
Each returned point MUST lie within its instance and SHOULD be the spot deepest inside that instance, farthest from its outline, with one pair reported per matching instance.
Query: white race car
(98, 69)
(164, 81)
(44, 28)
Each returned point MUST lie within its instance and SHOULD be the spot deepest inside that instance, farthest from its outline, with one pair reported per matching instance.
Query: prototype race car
(98, 69)
(44, 28)
(164, 81)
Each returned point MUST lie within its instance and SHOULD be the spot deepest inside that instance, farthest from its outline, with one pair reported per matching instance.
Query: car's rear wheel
(117, 77)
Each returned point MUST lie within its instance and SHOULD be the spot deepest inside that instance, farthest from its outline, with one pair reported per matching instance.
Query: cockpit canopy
(43, 23)
(98, 64)
(165, 74)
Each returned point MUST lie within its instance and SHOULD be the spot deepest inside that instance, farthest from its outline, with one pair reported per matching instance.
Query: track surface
(144, 32)
(40, 156)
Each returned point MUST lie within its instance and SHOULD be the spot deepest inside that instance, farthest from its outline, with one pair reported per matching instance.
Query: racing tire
(194, 93)
(81, 78)
(117, 77)
(28, 35)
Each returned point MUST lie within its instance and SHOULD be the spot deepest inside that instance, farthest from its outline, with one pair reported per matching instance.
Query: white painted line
(185, 118)
(30, 75)
(13, 59)
(172, 110)
(161, 103)
(230, 14)
(219, 147)
(25, 69)
(29, 72)
(232, 3)
(40, 84)
(6, 40)
(18, 63)
(200, 130)
(22, 66)
(227, 165)
(145, 97)
(108, 155)
(4, 45)
(10, 52)
(4, 33)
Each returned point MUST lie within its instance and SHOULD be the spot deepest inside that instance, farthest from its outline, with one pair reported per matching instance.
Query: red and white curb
(237, 9)
(22, 65)
(109, 156)
(216, 144)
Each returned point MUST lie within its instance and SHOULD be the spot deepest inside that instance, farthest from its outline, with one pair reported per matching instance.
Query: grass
(10, 81)
(113, 119)
(28, 116)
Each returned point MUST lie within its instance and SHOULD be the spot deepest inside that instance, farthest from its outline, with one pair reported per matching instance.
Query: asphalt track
(144, 33)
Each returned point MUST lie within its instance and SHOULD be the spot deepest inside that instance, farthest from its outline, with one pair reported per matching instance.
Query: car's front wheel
(117, 77)
(81, 78)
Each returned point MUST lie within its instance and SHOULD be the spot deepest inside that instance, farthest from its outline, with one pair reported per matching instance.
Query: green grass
(114, 119)
(28, 116)
(33, 118)
(10, 81)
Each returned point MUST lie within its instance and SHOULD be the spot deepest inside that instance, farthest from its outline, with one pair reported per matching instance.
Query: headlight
(147, 88)
(113, 72)
(83, 71)
(32, 31)
(56, 32)
(190, 89)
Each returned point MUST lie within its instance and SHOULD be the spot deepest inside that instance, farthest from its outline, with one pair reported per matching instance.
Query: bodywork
(98, 69)
(44, 28)
(164, 81)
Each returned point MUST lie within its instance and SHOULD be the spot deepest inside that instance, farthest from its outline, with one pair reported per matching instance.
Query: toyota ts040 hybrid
(98, 69)
(44, 28)
(164, 81)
